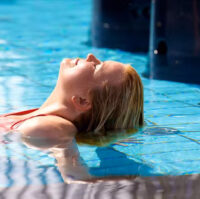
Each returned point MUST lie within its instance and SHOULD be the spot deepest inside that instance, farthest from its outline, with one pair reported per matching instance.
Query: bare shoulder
(49, 127)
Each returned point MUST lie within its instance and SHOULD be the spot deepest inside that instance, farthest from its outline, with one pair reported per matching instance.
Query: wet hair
(114, 107)
(105, 139)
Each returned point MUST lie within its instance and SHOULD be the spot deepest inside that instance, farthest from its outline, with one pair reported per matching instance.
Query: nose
(92, 58)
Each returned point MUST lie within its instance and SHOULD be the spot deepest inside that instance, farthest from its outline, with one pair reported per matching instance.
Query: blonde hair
(115, 107)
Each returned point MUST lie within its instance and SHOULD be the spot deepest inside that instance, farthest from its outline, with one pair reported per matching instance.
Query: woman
(90, 96)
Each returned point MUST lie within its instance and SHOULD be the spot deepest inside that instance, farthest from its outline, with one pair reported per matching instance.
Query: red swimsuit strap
(19, 113)
(20, 121)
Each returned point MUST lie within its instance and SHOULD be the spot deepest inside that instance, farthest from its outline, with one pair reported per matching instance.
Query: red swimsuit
(8, 124)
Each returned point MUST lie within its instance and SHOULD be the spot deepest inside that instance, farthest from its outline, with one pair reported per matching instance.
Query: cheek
(68, 78)
(73, 78)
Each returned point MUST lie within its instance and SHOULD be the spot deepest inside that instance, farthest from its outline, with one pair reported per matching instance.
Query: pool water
(34, 37)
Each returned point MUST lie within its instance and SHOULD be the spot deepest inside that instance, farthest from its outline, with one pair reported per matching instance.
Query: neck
(57, 105)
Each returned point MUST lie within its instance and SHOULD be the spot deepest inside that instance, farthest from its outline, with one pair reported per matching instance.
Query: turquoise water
(34, 37)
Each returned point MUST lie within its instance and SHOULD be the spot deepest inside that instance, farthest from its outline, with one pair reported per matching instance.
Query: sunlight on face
(82, 75)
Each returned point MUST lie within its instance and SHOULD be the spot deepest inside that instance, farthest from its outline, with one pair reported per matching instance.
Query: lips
(74, 62)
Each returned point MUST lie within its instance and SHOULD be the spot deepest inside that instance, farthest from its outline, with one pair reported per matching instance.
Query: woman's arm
(57, 135)
(73, 169)
(46, 132)
(70, 165)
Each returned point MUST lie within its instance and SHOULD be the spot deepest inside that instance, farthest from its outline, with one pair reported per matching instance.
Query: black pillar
(122, 24)
(174, 52)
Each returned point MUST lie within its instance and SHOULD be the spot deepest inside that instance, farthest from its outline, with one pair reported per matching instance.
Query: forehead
(111, 71)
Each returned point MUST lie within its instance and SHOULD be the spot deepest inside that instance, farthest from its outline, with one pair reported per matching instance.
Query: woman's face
(78, 76)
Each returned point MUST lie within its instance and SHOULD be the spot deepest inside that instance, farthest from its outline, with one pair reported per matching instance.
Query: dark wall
(122, 24)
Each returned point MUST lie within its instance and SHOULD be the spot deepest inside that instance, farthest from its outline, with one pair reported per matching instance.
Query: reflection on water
(27, 172)
(22, 160)
(71, 165)
(23, 165)
(37, 166)
(169, 187)
(160, 131)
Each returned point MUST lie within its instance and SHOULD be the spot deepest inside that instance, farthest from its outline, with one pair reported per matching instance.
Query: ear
(80, 103)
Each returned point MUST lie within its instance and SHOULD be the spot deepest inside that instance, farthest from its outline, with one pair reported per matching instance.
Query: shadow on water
(123, 163)
(116, 163)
